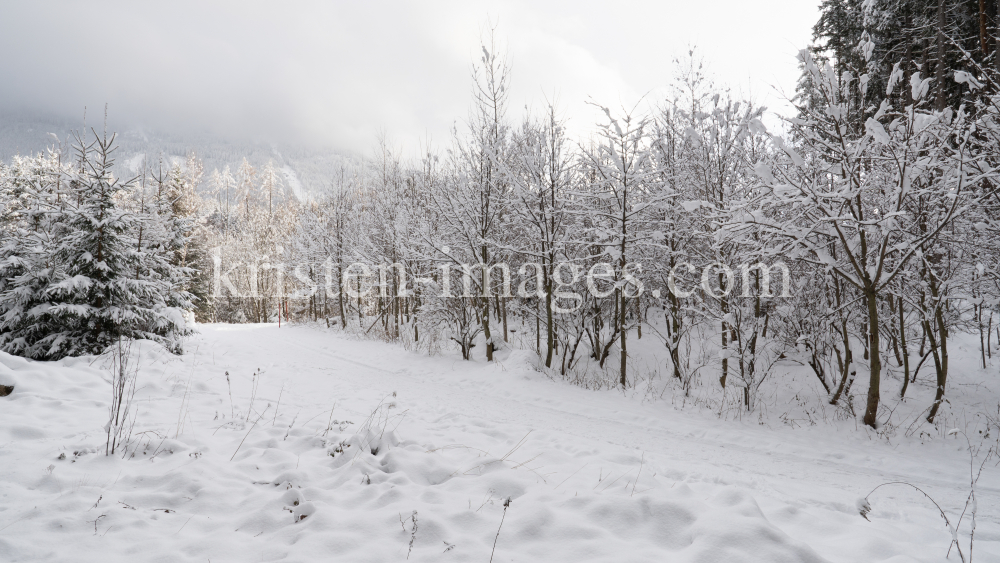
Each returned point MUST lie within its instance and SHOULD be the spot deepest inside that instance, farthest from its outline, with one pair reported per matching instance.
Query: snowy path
(467, 435)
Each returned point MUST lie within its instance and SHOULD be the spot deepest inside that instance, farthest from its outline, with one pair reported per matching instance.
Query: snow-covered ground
(356, 450)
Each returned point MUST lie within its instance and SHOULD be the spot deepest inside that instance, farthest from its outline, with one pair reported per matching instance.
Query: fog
(336, 74)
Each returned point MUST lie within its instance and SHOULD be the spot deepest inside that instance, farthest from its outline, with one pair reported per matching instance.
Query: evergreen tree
(31, 226)
(867, 41)
(97, 301)
(189, 246)
(76, 274)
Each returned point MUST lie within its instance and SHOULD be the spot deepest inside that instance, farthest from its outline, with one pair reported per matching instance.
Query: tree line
(880, 200)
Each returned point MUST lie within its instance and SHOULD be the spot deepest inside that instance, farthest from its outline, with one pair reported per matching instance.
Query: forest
(697, 245)
(879, 200)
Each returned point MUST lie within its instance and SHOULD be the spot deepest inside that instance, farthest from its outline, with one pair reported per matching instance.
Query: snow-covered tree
(866, 206)
(618, 172)
(78, 275)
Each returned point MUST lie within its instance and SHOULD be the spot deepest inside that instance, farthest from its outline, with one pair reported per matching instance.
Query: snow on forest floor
(357, 450)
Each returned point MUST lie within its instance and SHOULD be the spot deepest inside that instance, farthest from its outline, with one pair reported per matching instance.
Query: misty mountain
(306, 171)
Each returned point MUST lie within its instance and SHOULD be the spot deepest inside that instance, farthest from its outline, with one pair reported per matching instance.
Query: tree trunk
(549, 320)
(486, 307)
(906, 352)
(503, 310)
(638, 319)
(982, 337)
(624, 355)
(893, 332)
(940, 56)
(538, 338)
(673, 333)
(907, 58)
(724, 308)
(989, 335)
(871, 408)
(996, 33)
(982, 27)
(941, 364)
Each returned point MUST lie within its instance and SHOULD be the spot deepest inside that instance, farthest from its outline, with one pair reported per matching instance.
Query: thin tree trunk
(724, 308)
(940, 56)
(982, 27)
(996, 33)
(893, 332)
(874, 381)
(908, 57)
(638, 319)
(941, 364)
(538, 338)
(982, 337)
(624, 352)
(486, 307)
(906, 352)
(549, 321)
(340, 296)
(673, 333)
(989, 335)
(503, 309)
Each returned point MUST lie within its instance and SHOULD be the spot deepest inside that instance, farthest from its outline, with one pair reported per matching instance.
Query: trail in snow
(374, 453)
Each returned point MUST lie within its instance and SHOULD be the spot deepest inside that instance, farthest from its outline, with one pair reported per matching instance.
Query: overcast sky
(335, 73)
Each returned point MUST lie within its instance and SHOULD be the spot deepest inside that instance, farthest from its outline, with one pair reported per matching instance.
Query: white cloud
(336, 73)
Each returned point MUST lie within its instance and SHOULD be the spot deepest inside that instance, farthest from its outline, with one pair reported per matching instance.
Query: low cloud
(334, 75)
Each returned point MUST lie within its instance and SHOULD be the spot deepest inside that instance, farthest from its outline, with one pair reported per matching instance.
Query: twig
(181, 411)
(516, 446)
(638, 474)
(329, 423)
(413, 533)
(488, 499)
(505, 505)
(253, 391)
(276, 407)
(182, 525)
(615, 481)
(526, 462)
(294, 418)
(952, 529)
(574, 473)
(248, 433)
(26, 515)
(232, 410)
(96, 520)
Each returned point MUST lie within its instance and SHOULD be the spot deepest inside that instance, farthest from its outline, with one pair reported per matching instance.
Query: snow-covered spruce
(80, 269)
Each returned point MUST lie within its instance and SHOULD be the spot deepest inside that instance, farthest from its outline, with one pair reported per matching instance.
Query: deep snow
(363, 451)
